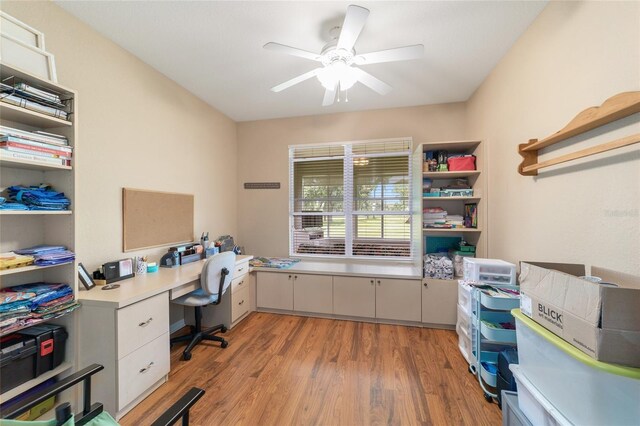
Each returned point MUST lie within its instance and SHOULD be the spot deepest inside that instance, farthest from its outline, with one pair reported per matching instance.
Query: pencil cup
(141, 266)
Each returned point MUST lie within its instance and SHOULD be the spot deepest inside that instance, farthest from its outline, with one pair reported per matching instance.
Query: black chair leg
(197, 335)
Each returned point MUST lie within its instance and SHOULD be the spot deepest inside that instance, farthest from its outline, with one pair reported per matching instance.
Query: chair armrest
(180, 409)
(83, 375)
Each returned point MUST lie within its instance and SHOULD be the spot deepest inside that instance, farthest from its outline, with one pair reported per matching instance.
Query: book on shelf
(39, 93)
(36, 136)
(12, 155)
(33, 149)
(33, 152)
(17, 140)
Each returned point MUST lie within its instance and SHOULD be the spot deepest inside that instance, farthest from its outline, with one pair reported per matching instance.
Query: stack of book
(35, 99)
(41, 147)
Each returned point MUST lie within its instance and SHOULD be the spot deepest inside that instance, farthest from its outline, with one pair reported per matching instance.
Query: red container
(459, 164)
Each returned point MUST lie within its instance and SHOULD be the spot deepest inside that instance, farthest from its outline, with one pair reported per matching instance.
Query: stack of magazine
(41, 147)
(35, 99)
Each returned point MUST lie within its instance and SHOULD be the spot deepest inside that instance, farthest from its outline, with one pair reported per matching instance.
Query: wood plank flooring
(289, 370)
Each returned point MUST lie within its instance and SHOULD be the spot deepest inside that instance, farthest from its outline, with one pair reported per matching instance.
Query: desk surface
(399, 271)
(146, 285)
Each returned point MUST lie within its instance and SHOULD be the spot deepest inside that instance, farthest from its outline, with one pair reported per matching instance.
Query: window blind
(351, 199)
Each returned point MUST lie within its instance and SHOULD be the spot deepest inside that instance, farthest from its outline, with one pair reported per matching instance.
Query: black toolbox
(50, 342)
(17, 361)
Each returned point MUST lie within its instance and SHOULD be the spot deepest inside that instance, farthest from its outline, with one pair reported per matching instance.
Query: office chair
(216, 277)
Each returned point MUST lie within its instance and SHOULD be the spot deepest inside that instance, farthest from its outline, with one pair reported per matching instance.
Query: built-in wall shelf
(30, 268)
(451, 175)
(449, 230)
(453, 146)
(34, 212)
(29, 164)
(62, 368)
(26, 116)
(439, 199)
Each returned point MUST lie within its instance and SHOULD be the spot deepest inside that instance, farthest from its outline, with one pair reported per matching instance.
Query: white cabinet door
(275, 290)
(313, 293)
(398, 299)
(439, 301)
(354, 296)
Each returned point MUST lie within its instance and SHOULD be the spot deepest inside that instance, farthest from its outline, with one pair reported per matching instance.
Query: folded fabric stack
(46, 255)
(7, 205)
(438, 266)
(36, 197)
(455, 220)
(13, 260)
(29, 304)
(435, 217)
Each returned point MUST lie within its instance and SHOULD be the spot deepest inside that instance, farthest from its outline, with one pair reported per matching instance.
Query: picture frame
(85, 277)
(25, 57)
(21, 31)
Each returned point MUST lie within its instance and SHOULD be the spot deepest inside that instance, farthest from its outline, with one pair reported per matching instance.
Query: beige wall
(263, 156)
(575, 55)
(136, 129)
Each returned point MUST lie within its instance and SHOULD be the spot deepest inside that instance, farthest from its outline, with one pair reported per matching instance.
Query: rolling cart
(493, 329)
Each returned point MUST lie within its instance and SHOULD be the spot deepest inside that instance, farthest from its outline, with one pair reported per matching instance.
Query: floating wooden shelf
(613, 109)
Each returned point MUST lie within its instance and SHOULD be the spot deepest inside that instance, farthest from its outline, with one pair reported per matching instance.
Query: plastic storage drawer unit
(511, 413)
(490, 271)
(17, 360)
(535, 406)
(584, 390)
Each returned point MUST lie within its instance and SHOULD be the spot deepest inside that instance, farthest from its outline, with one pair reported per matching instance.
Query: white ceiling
(214, 49)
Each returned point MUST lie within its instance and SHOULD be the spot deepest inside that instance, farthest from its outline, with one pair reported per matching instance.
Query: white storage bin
(464, 344)
(465, 296)
(584, 390)
(490, 271)
(538, 410)
(464, 321)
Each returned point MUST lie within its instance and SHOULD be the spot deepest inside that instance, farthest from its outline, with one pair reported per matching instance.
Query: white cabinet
(354, 296)
(398, 299)
(275, 290)
(439, 301)
(313, 293)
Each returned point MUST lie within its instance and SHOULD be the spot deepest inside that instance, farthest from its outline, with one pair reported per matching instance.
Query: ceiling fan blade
(371, 82)
(299, 79)
(329, 96)
(352, 26)
(391, 55)
(277, 47)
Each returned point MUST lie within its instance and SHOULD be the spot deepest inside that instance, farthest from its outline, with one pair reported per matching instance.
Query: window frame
(349, 211)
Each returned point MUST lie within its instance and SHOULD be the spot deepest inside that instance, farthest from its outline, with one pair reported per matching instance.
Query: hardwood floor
(289, 370)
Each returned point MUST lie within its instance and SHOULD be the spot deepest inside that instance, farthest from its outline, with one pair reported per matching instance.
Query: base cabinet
(439, 301)
(354, 296)
(274, 291)
(313, 293)
(398, 299)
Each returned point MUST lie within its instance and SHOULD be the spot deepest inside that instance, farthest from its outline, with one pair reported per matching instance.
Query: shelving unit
(444, 292)
(20, 229)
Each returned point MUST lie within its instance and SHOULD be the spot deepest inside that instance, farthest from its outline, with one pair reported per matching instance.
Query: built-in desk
(391, 270)
(127, 330)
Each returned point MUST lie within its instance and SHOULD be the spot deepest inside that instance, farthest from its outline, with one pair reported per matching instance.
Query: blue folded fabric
(38, 197)
(40, 249)
(45, 255)
(13, 206)
(44, 293)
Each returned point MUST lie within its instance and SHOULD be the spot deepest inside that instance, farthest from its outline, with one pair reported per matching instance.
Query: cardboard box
(602, 321)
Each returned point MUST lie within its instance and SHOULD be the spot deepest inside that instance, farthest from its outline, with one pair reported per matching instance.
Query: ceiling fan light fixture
(337, 72)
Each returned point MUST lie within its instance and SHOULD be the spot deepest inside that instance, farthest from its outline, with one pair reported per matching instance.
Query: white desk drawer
(142, 368)
(140, 323)
(241, 269)
(239, 303)
(239, 283)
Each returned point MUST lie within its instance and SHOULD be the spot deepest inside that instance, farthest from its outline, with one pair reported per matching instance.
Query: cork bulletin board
(154, 219)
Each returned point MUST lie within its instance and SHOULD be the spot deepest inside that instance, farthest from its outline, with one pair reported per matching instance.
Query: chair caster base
(186, 356)
(224, 344)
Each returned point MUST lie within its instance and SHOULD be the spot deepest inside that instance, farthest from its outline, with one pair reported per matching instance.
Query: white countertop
(143, 286)
(381, 270)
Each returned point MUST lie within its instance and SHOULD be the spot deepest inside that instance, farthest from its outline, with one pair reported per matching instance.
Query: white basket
(585, 391)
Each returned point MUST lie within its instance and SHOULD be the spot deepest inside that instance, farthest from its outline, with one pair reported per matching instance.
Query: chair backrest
(212, 272)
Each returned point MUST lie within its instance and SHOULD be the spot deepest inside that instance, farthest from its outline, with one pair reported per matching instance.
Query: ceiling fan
(339, 71)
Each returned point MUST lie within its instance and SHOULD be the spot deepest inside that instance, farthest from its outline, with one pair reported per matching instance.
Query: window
(351, 200)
